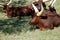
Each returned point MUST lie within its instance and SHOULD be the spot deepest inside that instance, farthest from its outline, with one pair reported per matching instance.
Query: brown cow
(16, 11)
(47, 20)
(43, 22)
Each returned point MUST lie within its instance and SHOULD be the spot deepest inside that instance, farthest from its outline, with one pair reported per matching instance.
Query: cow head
(6, 6)
(36, 18)
(37, 3)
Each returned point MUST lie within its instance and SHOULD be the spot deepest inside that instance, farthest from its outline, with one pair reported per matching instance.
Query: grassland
(12, 29)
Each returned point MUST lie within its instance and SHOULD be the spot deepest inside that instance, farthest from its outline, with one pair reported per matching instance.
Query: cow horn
(50, 2)
(40, 13)
(9, 2)
(53, 3)
(36, 10)
(46, 0)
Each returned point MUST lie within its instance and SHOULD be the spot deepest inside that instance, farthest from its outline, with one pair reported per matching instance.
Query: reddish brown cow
(17, 11)
(48, 20)
(43, 22)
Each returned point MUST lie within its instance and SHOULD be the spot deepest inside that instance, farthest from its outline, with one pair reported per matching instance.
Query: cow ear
(36, 10)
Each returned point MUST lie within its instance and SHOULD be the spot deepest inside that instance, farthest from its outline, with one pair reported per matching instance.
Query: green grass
(12, 29)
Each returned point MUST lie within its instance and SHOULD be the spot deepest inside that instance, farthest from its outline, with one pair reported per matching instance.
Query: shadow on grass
(14, 26)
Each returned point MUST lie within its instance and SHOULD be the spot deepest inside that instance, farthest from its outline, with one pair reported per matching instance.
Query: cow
(41, 23)
(16, 11)
(46, 20)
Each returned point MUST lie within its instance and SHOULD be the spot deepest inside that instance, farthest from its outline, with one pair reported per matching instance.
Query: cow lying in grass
(16, 11)
(46, 20)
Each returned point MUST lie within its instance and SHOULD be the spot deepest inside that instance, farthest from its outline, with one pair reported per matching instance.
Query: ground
(12, 29)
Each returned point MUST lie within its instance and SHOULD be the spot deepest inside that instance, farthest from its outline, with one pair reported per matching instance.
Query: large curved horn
(53, 3)
(50, 2)
(40, 13)
(9, 2)
(46, 0)
(36, 10)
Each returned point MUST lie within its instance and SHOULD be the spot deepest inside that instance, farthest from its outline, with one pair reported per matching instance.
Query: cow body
(20, 11)
(17, 11)
(48, 20)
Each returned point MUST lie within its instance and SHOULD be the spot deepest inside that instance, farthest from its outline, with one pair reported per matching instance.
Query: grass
(12, 29)
(33, 35)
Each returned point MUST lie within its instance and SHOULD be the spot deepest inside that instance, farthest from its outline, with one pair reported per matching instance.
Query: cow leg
(9, 15)
(47, 28)
(40, 27)
(44, 27)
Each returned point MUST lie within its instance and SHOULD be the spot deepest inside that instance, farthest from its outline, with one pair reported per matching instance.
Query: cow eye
(36, 4)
